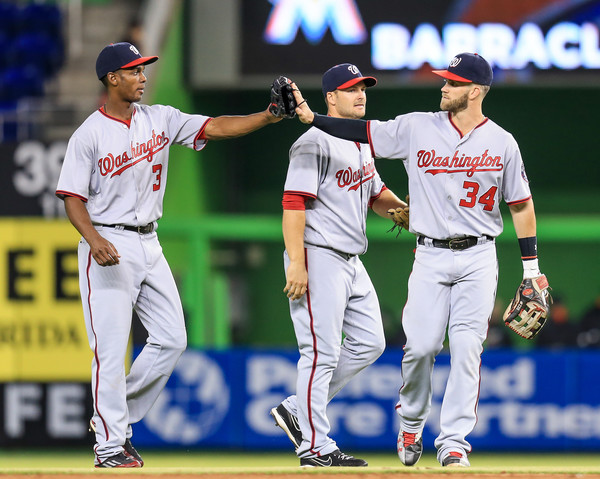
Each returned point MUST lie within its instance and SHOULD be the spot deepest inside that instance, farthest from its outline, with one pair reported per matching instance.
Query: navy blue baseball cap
(115, 56)
(468, 67)
(342, 76)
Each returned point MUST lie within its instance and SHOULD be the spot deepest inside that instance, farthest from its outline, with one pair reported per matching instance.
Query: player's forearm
(387, 200)
(80, 218)
(293, 224)
(223, 127)
(346, 129)
(523, 216)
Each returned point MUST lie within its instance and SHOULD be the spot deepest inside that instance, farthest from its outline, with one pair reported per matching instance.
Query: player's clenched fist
(296, 281)
(104, 252)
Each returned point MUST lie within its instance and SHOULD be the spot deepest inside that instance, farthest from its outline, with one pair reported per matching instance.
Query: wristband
(528, 248)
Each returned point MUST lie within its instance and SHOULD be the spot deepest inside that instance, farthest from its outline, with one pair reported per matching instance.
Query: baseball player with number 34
(113, 181)
(460, 165)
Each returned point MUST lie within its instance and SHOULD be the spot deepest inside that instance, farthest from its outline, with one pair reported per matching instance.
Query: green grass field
(213, 462)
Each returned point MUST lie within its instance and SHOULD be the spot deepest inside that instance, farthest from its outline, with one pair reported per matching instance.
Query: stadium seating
(31, 52)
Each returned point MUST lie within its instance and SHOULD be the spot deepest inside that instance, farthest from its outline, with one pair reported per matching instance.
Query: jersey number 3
(487, 199)
(158, 170)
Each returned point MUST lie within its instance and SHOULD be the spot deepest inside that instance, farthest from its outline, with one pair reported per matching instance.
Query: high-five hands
(305, 114)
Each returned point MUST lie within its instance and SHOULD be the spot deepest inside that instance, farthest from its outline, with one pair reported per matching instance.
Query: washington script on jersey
(348, 176)
(139, 152)
(458, 163)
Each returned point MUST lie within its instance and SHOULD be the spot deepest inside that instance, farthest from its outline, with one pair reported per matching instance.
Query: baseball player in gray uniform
(330, 185)
(460, 165)
(113, 181)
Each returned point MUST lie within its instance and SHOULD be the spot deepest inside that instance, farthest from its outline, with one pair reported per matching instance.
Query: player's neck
(468, 119)
(121, 110)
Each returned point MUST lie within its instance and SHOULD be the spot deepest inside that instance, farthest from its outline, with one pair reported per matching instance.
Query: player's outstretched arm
(344, 128)
(103, 251)
(224, 127)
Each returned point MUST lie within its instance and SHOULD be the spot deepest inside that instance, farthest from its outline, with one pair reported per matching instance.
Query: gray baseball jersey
(340, 183)
(456, 182)
(121, 170)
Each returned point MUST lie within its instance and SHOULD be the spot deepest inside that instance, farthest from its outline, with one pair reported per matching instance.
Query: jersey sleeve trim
(374, 198)
(301, 193)
(524, 200)
(61, 194)
(200, 139)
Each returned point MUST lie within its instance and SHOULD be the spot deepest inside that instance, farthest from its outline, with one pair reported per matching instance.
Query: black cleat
(129, 449)
(122, 459)
(335, 459)
(289, 423)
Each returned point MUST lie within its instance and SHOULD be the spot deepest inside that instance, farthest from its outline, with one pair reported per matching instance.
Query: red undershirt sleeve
(293, 201)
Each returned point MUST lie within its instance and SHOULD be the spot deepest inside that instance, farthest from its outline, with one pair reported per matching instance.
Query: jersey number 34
(487, 199)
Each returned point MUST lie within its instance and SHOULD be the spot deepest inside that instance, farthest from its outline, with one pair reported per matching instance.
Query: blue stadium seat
(22, 81)
(41, 18)
(5, 43)
(31, 51)
(37, 49)
(9, 18)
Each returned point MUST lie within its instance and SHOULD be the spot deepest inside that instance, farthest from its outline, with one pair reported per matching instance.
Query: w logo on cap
(454, 62)
(134, 50)
(353, 69)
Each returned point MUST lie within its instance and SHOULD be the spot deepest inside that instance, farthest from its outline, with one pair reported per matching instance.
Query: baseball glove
(527, 312)
(283, 103)
(400, 217)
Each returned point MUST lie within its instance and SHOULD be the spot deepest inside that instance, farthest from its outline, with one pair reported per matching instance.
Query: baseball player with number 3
(460, 165)
(113, 181)
(330, 185)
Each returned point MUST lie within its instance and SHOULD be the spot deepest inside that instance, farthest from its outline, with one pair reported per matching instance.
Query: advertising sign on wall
(42, 332)
(541, 401)
(537, 402)
(45, 414)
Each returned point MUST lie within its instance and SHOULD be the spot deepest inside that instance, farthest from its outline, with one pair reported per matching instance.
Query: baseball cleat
(289, 423)
(122, 459)
(410, 447)
(334, 459)
(129, 449)
(455, 459)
